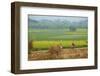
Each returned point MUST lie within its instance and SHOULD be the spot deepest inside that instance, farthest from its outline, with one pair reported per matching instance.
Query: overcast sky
(61, 18)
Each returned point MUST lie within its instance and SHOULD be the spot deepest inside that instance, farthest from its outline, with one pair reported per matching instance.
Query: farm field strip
(57, 34)
(65, 54)
(39, 45)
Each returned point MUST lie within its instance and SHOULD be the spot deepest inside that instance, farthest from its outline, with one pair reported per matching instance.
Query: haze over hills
(56, 22)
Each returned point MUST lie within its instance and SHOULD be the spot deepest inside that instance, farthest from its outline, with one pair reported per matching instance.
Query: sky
(61, 18)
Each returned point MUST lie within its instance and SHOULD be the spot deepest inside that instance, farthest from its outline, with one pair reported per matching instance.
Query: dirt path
(65, 54)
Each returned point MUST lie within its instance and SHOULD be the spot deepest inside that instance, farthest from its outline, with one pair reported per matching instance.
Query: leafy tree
(72, 28)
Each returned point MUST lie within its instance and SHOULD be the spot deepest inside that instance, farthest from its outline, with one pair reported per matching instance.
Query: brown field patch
(65, 54)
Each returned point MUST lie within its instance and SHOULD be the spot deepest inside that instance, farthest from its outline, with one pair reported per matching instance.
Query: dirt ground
(65, 54)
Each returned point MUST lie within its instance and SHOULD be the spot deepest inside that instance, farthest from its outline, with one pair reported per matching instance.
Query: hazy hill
(56, 23)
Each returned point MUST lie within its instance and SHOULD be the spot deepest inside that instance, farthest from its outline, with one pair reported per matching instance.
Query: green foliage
(72, 28)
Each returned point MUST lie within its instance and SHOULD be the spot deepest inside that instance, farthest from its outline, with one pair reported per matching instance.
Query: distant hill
(55, 23)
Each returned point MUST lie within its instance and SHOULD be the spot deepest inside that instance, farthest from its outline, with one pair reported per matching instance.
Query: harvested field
(65, 54)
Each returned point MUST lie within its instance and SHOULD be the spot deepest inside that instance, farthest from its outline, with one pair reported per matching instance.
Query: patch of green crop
(44, 45)
(43, 39)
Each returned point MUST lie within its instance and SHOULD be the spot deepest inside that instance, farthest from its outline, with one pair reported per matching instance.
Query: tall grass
(44, 45)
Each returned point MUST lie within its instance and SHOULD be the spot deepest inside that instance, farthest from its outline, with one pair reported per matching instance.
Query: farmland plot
(71, 36)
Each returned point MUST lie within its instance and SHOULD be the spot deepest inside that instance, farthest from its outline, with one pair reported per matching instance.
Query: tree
(72, 28)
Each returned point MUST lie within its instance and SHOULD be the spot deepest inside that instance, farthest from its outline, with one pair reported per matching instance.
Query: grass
(42, 39)
(57, 34)
(43, 45)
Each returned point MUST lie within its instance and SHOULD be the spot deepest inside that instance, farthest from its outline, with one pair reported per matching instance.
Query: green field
(57, 34)
(44, 38)
(45, 31)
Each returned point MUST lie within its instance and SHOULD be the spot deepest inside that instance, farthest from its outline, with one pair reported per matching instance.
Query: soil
(70, 53)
